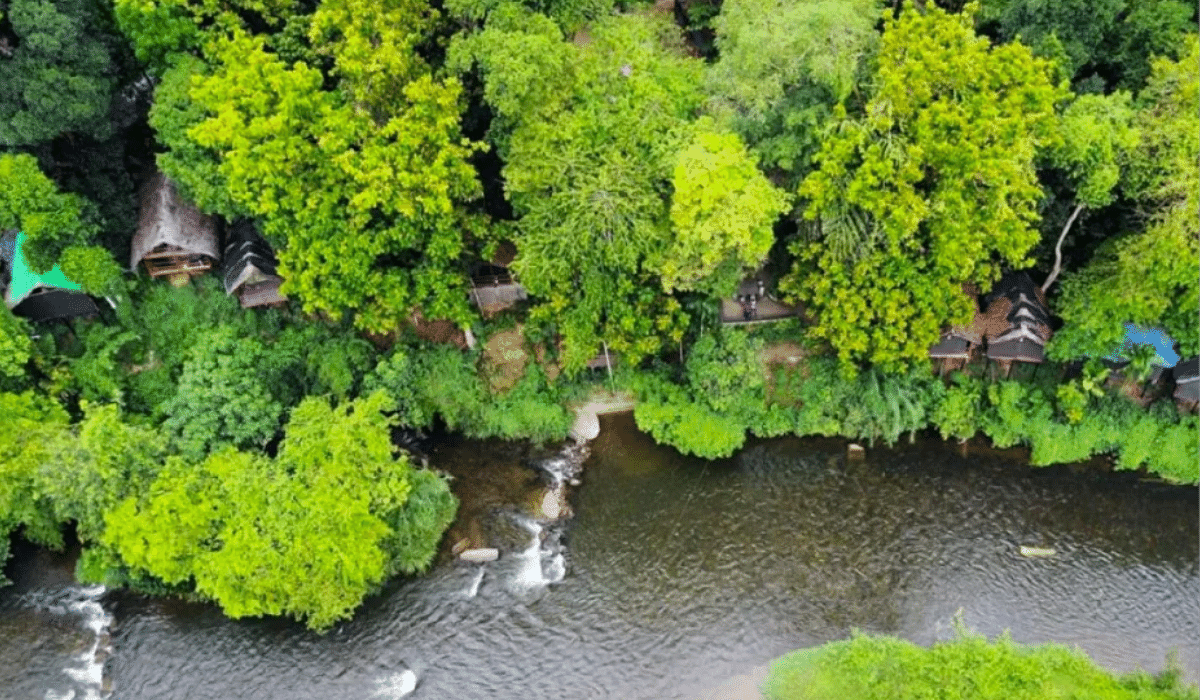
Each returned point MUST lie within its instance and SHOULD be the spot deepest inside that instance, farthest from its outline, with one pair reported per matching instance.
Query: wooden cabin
(248, 269)
(750, 304)
(1187, 384)
(173, 238)
(1017, 322)
(39, 297)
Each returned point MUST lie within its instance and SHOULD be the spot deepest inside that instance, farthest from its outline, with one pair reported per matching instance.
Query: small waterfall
(473, 590)
(88, 673)
(530, 573)
(564, 467)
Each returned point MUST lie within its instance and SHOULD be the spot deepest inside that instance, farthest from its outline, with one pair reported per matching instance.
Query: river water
(672, 576)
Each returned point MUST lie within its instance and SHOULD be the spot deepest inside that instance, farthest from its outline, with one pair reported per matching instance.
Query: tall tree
(1096, 135)
(307, 534)
(933, 186)
(619, 194)
(360, 186)
(51, 220)
(57, 72)
(1147, 277)
(722, 213)
(783, 66)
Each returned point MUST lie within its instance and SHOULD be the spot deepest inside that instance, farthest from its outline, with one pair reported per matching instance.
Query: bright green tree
(196, 170)
(15, 347)
(1147, 277)
(95, 270)
(30, 428)
(51, 220)
(933, 186)
(360, 186)
(104, 461)
(596, 136)
(722, 211)
(308, 534)
(164, 32)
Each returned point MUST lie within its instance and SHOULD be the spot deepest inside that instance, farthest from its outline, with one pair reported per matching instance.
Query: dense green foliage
(725, 392)
(58, 72)
(1156, 267)
(868, 158)
(51, 220)
(441, 381)
(307, 534)
(967, 668)
(915, 197)
(783, 68)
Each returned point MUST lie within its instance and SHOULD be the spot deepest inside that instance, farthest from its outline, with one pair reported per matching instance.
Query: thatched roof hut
(249, 268)
(1017, 322)
(173, 237)
(45, 297)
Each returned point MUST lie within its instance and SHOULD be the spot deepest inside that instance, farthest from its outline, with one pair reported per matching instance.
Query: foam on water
(530, 573)
(473, 590)
(397, 685)
(89, 673)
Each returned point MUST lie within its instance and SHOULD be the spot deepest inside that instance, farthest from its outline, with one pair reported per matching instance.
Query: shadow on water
(675, 574)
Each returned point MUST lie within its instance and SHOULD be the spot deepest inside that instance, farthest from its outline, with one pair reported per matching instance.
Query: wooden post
(608, 363)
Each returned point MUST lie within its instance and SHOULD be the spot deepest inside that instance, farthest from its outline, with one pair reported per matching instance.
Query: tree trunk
(1058, 249)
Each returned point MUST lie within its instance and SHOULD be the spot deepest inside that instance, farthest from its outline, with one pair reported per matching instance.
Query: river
(672, 576)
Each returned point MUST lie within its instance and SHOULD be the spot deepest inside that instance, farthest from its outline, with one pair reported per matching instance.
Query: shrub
(967, 668)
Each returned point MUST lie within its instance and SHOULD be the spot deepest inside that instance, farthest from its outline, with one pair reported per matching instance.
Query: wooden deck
(769, 310)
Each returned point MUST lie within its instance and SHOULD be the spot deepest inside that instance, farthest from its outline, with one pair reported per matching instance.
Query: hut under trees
(959, 343)
(1017, 322)
(493, 287)
(752, 304)
(173, 238)
(248, 269)
(38, 297)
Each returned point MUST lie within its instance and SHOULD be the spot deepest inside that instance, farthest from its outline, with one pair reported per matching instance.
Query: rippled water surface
(678, 575)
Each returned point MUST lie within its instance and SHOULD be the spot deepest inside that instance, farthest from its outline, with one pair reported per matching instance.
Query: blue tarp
(1157, 337)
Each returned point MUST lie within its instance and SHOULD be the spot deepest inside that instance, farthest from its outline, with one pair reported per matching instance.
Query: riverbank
(969, 667)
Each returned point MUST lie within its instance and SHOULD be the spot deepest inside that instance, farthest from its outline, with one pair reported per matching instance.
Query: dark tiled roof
(1021, 350)
(1187, 380)
(1020, 302)
(247, 257)
(262, 293)
(950, 347)
(54, 305)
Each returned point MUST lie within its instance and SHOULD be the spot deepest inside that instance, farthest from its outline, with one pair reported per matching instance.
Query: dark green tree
(57, 72)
